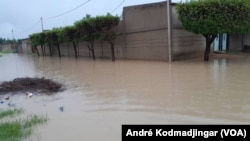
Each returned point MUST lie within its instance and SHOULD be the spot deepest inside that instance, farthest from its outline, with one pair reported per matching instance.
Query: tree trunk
(92, 49)
(37, 51)
(42, 48)
(112, 50)
(59, 51)
(207, 51)
(74, 44)
(209, 41)
(50, 50)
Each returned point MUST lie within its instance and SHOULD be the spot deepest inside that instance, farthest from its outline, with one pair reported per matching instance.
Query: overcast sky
(24, 16)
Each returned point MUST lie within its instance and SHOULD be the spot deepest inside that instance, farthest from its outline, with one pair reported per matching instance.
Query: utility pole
(170, 42)
(13, 35)
(14, 41)
(42, 23)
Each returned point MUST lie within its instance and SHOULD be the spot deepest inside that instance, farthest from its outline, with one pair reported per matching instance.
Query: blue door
(220, 43)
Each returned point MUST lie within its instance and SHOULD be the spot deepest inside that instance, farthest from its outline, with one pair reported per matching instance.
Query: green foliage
(215, 16)
(5, 52)
(33, 120)
(99, 27)
(38, 39)
(106, 26)
(34, 39)
(87, 29)
(54, 36)
(70, 33)
(10, 113)
(48, 37)
(17, 130)
(8, 41)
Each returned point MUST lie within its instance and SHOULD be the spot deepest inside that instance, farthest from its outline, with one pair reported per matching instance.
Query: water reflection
(101, 95)
(13, 66)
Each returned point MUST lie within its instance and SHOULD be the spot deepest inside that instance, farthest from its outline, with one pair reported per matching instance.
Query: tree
(35, 41)
(41, 39)
(70, 34)
(7, 41)
(213, 17)
(106, 25)
(54, 38)
(48, 42)
(2, 41)
(87, 30)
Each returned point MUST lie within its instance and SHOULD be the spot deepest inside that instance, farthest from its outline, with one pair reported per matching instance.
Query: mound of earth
(41, 85)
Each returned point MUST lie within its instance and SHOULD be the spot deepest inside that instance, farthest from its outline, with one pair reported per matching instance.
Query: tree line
(8, 41)
(213, 17)
(88, 29)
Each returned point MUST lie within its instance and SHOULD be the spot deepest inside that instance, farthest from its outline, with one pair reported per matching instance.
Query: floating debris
(11, 104)
(29, 94)
(61, 109)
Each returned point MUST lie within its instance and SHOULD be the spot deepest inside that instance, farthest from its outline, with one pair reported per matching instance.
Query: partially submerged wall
(7, 48)
(143, 35)
(25, 46)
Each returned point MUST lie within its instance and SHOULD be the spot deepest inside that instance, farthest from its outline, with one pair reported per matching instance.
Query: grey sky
(24, 16)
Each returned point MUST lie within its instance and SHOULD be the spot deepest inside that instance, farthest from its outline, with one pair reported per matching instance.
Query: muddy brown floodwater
(102, 95)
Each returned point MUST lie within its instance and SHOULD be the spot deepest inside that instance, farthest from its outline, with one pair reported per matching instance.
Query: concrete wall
(25, 46)
(7, 48)
(187, 45)
(246, 39)
(238, 41)
(235, 42)
(144, 31)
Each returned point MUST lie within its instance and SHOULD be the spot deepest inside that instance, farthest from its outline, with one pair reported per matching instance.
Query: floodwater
(102, 95)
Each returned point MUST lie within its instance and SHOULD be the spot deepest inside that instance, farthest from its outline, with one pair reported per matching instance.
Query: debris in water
(29, 94)
(11, 104)
(61, 109)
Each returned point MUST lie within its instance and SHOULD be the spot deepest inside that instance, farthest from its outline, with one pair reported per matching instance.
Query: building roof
(148, 5)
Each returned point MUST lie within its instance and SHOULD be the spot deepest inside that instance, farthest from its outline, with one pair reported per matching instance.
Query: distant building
(7, 48)
(26, 46)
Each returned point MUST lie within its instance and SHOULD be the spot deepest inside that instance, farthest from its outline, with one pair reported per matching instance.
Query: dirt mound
(41, 85)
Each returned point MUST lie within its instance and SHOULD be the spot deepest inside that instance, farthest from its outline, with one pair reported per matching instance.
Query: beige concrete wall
(246, 39)
(236, 42)
(151, 45)
(7, 48)
(25, 46)
(146, 34)
(187, 45)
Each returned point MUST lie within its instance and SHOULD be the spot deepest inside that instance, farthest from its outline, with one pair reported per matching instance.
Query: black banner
(186, 132)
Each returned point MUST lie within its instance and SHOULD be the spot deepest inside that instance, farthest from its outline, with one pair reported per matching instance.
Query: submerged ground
(102, 95)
